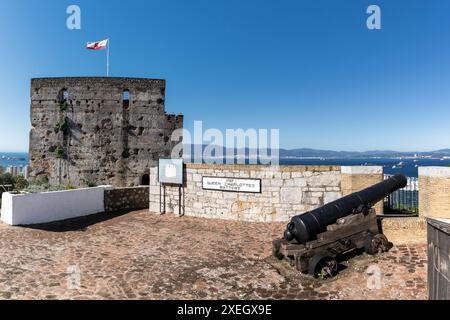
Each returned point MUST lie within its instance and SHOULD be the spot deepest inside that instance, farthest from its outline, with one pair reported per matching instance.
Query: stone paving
(140, 255)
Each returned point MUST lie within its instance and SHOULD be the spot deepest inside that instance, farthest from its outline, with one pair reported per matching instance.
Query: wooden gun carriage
(314, 240)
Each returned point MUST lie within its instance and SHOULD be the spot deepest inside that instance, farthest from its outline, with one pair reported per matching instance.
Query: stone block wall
(434, 192)
(132, 198)
(98, 130)
(356, 178)
(286, 191)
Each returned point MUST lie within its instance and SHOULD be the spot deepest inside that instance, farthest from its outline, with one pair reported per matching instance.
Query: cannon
(313, 240)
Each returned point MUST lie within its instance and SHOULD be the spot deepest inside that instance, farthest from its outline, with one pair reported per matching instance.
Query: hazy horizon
(320, 149)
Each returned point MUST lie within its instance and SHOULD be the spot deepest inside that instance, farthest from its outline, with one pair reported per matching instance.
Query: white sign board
(170, 171)
(232, 184)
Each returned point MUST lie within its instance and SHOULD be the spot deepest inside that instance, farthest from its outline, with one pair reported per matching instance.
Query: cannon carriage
(313, 241)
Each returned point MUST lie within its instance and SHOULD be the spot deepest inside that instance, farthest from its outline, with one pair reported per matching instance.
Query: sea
(406, 166)
(13, 159)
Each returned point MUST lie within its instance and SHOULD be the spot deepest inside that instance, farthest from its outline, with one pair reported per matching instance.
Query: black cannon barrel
(307, 226)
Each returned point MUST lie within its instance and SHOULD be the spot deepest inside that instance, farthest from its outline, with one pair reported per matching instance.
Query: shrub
(20, 183)
(60, 152)
(64, 125)
(34, 189)
(41, 180)
(45, 188)
(91, 184)
(6, 178)
(63, 105)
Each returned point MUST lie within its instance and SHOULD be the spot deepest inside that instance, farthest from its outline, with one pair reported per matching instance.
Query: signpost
(170, 172)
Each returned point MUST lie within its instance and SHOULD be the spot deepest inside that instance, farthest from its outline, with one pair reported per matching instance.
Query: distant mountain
(442, 151)
(315, 153)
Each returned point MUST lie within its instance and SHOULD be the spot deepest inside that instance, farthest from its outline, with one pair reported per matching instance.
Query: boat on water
(401, 164)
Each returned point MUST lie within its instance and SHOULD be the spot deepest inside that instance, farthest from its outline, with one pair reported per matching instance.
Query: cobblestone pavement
(146, 256)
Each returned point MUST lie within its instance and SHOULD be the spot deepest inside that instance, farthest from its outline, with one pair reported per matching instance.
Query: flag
(99, 45)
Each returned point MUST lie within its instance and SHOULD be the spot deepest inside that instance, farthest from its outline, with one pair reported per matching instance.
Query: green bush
(63, 105)
(20, 183)
(40, 180)
(6, 178)
(60, 152)
(46, 188)
(39, 184)
(35, 188)
(64, 125)
(91, 184)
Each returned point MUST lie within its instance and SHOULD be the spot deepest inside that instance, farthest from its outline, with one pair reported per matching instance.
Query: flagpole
(107, 58)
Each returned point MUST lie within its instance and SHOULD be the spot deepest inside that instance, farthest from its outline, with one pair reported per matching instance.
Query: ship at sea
(15, 159)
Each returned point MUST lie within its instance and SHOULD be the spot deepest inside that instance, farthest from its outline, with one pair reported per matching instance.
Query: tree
(6, 178)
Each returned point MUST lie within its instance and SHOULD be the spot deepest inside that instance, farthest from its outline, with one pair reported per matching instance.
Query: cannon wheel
(376, 244)
(323, 266)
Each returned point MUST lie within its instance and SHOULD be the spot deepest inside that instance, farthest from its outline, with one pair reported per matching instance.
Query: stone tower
(99, 130)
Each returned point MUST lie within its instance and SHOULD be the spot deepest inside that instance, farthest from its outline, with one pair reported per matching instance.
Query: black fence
(403, 201)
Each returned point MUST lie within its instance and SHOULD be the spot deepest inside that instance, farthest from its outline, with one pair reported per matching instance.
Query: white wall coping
(107, 187)
(440, 172)
(362, 169)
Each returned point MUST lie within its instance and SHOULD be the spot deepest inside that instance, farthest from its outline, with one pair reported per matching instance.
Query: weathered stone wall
(404, 230)
(434, 192)
(92, 136)
(132, 198)
(356, 178)
(286, 191)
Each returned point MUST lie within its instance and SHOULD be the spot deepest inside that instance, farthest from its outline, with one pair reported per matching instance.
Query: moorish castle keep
(88, 130)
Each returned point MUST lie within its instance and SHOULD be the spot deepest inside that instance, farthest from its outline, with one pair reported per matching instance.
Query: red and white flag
(99, 45)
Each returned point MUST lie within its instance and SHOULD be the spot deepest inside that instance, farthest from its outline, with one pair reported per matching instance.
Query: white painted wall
(24, 209)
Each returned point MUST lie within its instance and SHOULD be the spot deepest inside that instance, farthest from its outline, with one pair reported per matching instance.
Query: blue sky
(310, 68)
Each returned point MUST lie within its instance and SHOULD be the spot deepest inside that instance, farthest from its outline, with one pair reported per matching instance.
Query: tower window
(126, 98)
(63, 95)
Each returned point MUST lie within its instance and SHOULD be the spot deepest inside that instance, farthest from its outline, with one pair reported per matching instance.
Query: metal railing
(405, 200)
(5, 187)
